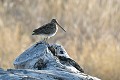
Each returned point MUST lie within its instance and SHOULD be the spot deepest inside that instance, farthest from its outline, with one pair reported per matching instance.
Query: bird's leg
(41, 42)
(44, 39)
(47, 40)
(38, 43)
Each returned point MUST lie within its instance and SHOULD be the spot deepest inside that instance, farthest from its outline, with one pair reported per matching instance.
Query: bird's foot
(42, 42)
(46, 41)
(37, 43)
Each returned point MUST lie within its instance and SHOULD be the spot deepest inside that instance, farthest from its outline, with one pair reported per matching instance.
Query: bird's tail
(33, 33)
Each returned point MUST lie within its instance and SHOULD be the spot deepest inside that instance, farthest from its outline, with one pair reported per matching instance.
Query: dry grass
(92, 38)
(12, 42)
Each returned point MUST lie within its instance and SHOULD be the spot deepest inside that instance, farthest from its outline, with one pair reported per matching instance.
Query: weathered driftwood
(45, 62)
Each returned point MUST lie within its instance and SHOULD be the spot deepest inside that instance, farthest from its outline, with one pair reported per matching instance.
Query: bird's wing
(45, 29)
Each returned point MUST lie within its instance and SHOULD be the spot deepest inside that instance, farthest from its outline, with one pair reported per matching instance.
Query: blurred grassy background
(92, 38)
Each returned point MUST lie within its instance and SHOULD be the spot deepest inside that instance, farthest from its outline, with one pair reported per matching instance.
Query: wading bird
(48, 30)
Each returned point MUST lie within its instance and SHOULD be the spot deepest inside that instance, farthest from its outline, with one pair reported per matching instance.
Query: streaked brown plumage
(47, 30)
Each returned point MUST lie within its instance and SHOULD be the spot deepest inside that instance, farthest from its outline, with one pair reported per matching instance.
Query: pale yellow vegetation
(92, 38)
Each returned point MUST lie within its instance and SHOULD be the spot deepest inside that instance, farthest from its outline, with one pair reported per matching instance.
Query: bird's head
(55, 22)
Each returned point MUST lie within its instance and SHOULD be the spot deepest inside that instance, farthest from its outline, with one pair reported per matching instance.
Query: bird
(48, 30)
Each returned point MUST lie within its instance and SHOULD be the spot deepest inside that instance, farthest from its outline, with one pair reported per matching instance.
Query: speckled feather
(47, 29)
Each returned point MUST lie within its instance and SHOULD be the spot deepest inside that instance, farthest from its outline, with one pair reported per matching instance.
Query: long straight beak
(61, 27)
